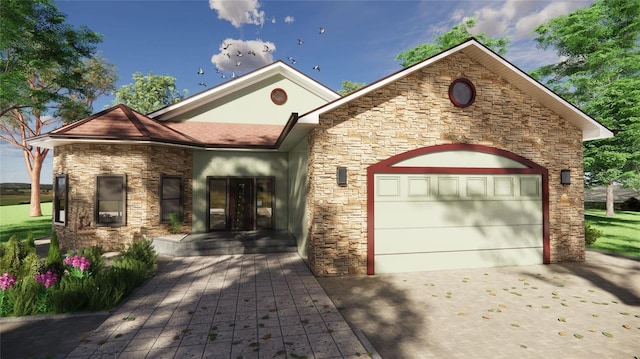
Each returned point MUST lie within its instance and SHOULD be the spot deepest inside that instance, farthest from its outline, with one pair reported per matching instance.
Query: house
(461, 160)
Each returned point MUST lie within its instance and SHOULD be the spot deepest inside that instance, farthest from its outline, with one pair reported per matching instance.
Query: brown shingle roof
(230, 134)
(122, 123)
(125, 124)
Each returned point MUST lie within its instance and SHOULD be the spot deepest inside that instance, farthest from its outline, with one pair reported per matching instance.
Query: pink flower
(78, 262)
(6, 281)
(47, 279)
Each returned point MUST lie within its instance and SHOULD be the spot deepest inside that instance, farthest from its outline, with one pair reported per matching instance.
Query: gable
(253, 104)
(478, 53)
(247, 99)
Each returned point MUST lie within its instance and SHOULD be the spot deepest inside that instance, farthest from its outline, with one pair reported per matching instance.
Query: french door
(240, 203)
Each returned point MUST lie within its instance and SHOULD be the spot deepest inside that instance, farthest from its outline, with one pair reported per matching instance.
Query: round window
(462, 93)
(278, 96)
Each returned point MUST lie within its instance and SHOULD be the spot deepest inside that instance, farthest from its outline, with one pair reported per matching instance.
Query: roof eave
(50, 142)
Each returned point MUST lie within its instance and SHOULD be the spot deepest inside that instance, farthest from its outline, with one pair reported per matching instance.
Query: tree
(459, 33)
(349, 87)
(49, 75)
(599, 71)
(149, 92)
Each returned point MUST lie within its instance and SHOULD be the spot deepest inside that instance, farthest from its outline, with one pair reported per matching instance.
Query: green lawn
(15, 220)
(620, 234)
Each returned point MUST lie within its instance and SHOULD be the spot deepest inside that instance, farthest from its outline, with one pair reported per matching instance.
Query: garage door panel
(439, 239)
(442, 221)
(446, 187)
(454, 260)
(456, 213)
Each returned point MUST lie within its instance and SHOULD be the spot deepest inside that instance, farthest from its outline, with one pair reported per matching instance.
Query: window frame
(122, 199)
(472, 92)
(162, 200)
(57, 199)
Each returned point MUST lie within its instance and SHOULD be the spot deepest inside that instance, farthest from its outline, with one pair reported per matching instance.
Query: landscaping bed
(83, 280)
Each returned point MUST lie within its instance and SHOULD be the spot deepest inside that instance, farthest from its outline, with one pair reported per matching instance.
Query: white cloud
(252, 51)
(517, 18)
(238, 12)
(289, 19)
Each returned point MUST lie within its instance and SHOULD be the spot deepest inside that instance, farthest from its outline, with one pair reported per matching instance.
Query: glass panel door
(217, 204)
(241, 205)
(264, 203)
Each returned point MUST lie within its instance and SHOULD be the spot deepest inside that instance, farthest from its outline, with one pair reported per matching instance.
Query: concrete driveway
(575, 310)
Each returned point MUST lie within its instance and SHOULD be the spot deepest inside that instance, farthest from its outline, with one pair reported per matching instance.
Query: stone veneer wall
(143, 165)
(415, 112)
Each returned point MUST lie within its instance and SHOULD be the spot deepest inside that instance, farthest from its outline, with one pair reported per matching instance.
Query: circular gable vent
(462, 93)
(278, 96)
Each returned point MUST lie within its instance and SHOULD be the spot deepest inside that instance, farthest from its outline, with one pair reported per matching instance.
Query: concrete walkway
(573, 310)
(233, 306)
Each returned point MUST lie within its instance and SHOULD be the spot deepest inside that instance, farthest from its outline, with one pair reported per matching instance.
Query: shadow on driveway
(382, 310)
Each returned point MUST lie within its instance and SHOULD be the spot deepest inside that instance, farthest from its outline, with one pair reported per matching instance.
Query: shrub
(28, 287)
(176, 222)
(631, 204)
(591, 234)
(24, 297)
(125, 275)
(93, 254)
(53, 261)
(142, 250)
(19, 259)
(71, 295)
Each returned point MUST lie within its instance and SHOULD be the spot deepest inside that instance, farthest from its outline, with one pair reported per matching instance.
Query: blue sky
(360, 41)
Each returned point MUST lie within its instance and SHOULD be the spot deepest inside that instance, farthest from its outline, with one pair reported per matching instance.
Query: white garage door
(445, 221)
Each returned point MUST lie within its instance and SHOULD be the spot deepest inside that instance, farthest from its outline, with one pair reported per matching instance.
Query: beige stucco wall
(253, 104)
(298, 188)
(143, 166)
(415, 112)
(238, 164)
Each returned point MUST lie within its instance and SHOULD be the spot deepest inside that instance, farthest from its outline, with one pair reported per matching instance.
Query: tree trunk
(35, 168)
(35, 210)
(610, 210)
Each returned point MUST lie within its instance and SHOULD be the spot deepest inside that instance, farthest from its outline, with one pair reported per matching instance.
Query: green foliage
(93, 254)
(458, 34)
(599, 71)
(349, 87)
(631, 204)
(142, 250)
(71, 294)
(53, 261)
(176, 222)
(102, 290)
(137, 270)
(49, 74)
(25, 297)
(19, 259)
(149, 92)
(52, 57)
(591, 234)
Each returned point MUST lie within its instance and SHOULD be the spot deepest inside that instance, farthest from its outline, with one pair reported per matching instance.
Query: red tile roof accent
(230, 134)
